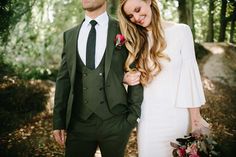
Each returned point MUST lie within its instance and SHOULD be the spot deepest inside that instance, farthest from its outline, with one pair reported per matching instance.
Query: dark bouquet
(195, 145)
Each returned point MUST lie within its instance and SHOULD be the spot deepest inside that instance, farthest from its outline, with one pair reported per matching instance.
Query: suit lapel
(112, 30)
(73, 49)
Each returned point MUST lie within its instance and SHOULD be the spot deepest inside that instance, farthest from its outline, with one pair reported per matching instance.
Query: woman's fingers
(132, 78)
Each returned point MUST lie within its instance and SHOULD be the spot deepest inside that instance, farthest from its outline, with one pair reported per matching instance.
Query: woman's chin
(143, 25)
(146, 26)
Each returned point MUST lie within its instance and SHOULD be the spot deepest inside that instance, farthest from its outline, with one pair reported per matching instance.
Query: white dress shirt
(101, 37)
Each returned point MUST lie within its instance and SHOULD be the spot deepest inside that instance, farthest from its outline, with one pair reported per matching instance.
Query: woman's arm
(195, 117)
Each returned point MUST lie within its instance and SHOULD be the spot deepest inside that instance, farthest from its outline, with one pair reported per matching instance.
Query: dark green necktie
(91, 45)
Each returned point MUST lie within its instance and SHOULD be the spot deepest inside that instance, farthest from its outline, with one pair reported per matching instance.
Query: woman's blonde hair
(137, 43)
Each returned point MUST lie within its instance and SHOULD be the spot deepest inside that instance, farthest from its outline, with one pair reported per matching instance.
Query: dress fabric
(178, 86)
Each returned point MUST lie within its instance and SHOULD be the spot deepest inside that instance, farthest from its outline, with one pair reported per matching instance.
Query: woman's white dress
(164, 115)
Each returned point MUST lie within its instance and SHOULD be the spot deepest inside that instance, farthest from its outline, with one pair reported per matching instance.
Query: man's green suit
(121, 102)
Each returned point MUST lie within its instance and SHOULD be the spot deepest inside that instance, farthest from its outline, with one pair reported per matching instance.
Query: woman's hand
(200, 127)
(132, 78)
(198, 124)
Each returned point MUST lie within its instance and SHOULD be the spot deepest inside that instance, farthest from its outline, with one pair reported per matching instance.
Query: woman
(165, 58)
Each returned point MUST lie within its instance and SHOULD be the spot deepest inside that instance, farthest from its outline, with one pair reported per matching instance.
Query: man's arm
(60, 101)
(135, 99)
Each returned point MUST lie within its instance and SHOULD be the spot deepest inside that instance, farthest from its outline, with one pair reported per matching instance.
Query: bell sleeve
(190, 92)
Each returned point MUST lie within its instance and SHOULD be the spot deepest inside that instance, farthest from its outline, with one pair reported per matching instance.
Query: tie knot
(93, 23)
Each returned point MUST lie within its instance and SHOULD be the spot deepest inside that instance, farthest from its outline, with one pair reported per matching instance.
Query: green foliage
(43, 73)
(169, 10)
(34, 46)
(11, 12)
(32, 30)
(5, 69)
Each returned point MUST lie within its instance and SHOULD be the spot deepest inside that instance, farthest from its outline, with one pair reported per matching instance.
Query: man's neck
(95, 13)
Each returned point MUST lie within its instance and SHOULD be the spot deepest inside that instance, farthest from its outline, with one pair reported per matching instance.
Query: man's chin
(89, 9)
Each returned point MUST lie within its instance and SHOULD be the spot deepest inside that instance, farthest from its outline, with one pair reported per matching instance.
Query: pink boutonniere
(119, 40)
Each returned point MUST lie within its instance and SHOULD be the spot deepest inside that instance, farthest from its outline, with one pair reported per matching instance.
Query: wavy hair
(137, 43)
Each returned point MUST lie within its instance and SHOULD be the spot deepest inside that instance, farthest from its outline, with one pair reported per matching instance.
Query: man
(91, 103)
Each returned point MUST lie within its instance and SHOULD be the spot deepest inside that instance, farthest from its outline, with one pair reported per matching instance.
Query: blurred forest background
(30, 48)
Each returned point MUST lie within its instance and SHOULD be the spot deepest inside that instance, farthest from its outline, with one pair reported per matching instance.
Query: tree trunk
(233, 26)
(223, 21)
(191, 19)
(185, 10)
(181, 10)
(210, 33)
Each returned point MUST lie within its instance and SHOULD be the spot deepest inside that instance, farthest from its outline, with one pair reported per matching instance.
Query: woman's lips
(141, 21)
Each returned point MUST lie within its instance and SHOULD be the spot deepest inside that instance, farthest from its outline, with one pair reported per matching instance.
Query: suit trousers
(111, 136)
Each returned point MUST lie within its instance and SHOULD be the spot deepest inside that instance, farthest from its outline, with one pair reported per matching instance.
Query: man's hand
(60, 136)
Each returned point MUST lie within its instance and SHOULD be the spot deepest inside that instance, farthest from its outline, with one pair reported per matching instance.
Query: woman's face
(138, 12)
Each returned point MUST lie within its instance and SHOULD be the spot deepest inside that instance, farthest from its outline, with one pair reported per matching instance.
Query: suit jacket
(114, 71)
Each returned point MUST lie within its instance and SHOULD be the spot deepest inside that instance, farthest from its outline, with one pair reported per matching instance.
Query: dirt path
(218, 70)
(221, 63)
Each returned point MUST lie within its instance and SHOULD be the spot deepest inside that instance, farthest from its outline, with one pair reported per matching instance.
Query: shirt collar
(101, 19)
